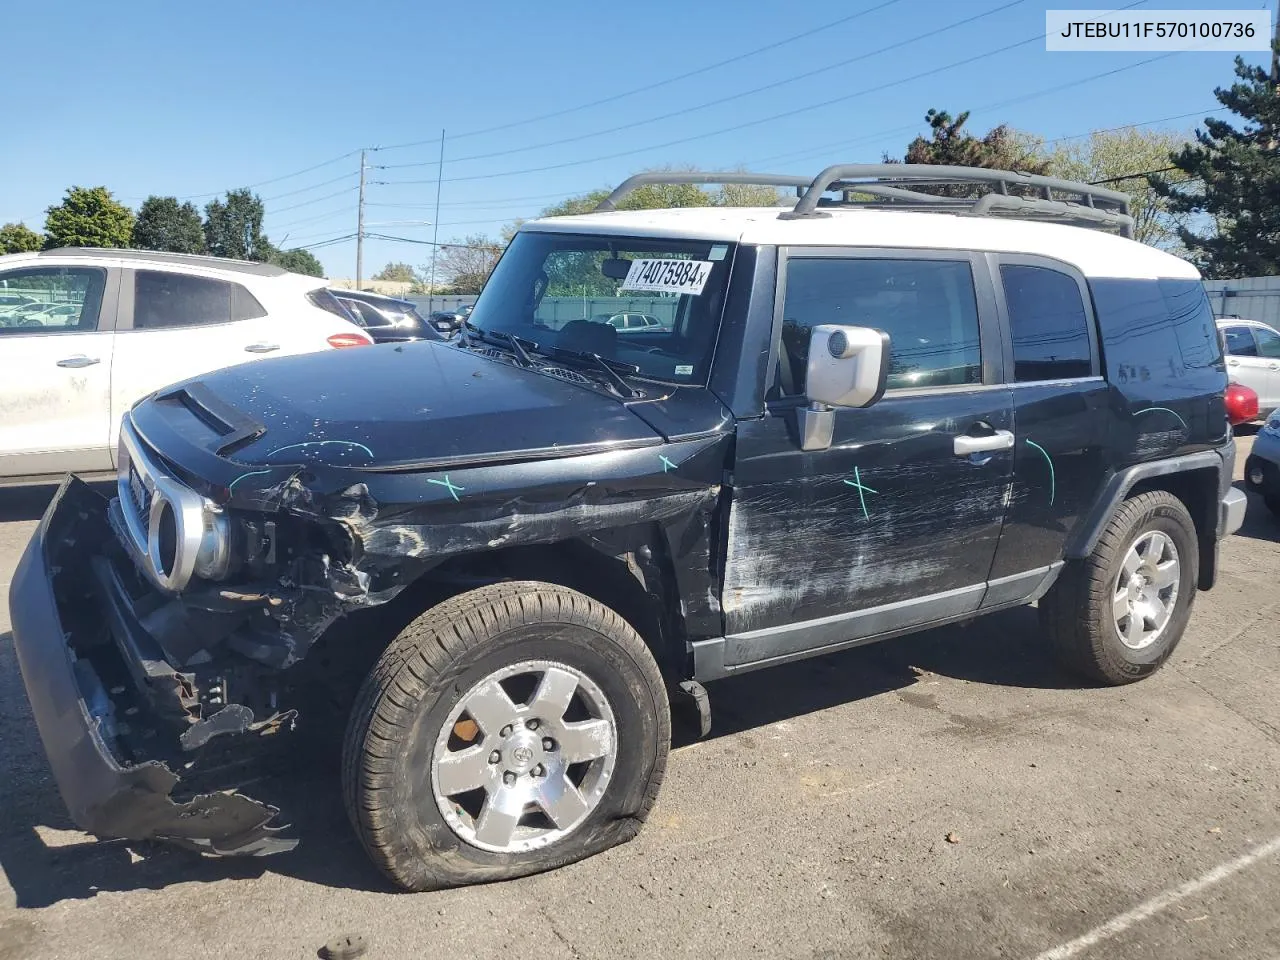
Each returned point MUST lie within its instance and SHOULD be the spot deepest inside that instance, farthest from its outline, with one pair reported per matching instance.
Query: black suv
(895, 405)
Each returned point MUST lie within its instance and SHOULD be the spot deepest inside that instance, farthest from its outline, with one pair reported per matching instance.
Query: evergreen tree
(1232, 175)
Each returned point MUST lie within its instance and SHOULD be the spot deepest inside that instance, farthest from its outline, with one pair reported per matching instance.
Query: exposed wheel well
(636, 585)
(1198, 491)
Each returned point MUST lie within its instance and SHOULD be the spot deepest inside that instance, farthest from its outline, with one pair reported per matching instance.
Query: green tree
(233, 227)
(464, 265)
(297, 261)
(1120, 159)
(1232, 175)
(1001, 148)
(397, 273)
(19, 238)
(88, 217)
(745, 195)
(165, 224)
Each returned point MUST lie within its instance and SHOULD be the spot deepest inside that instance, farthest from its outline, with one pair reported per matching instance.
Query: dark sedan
(387, 319)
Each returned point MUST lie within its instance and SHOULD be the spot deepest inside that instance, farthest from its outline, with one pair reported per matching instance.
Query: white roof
(1241, 322)
(1093, 252)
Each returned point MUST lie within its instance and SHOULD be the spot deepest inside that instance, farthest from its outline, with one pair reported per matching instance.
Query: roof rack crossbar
(994, 202)
(895, 182)
(631, 184)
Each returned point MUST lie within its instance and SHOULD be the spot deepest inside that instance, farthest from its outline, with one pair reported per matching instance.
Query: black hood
(418, 403)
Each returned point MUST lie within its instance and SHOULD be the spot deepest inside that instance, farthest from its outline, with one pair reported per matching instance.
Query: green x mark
(862, 489)
(453, 488)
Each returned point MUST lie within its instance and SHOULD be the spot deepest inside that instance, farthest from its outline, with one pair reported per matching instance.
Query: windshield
(653, 303)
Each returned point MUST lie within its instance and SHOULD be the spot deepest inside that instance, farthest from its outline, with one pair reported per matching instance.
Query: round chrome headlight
(213, 557)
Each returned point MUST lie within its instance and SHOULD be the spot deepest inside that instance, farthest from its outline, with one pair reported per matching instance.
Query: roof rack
(909, 185)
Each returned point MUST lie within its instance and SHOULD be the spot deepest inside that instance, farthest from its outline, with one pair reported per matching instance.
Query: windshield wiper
(610, 368)
(518, 344)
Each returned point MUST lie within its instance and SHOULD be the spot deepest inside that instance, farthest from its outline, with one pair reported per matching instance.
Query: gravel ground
(945, 795)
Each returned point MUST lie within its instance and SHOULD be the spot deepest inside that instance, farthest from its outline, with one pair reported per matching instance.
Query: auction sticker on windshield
(668, 276)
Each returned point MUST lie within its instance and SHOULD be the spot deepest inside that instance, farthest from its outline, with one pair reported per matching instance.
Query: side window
(1240, 342)
(50, 300)
(928, 308)
(1048, 323)
(1193, 323)
(1268, 342)
(163, 301)
(244, 305)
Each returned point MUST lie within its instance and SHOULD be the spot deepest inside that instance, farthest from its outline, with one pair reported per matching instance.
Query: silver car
(1253, 359)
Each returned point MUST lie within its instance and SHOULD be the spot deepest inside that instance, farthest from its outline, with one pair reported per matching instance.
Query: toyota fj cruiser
(896, 404)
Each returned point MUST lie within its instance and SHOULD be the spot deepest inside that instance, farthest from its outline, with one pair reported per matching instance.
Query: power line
(730, 129)
(326, 243)
(339, 211)
(992, 106)
(1141, 123)
(721, 100)
(497, 202)
(314, 186)
(263, 183)
(660, 83)
(307, 203)
(1135, 176)
(769, 119)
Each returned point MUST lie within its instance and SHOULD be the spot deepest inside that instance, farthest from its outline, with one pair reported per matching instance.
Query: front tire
(1116, 616)
(509, 730)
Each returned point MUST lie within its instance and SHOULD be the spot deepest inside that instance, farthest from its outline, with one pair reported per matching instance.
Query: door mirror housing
(848, 367)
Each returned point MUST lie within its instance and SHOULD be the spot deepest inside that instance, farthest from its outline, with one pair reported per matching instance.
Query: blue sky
(191, 99)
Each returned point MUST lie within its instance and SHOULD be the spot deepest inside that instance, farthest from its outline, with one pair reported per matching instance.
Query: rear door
(895, 524)
(179, 325)
(55, 370)
(1060, 416)
(1245, 365)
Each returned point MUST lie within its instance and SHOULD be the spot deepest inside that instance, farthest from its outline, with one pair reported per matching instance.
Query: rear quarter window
(1155, 330)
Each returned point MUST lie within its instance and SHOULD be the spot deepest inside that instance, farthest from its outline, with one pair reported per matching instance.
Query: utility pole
(435, 231)
(1275, 53)
(360, 228)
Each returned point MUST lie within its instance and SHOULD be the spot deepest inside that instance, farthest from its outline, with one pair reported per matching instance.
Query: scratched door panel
(1060, 465)
(888, 513)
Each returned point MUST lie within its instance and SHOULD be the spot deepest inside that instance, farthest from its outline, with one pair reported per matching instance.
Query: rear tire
(1272, 501)
(517, 688)
(1116, 616)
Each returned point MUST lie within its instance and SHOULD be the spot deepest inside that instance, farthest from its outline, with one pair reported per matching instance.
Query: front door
(896, 523)
(56, 342)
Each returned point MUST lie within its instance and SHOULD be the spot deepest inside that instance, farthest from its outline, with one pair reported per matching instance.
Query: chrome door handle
(1000, 440)
(1233, 363)
(262, 347)
(1274, 366)
(79, 360)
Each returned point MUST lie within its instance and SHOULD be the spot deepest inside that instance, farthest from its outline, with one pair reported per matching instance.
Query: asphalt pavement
(951, 794)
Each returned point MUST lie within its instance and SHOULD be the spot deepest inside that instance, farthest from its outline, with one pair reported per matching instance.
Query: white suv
(84, 333)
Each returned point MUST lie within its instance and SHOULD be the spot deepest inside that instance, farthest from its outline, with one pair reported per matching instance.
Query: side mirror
(847, 367)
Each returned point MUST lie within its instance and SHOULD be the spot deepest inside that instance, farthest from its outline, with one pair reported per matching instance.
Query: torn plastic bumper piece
(104, 796)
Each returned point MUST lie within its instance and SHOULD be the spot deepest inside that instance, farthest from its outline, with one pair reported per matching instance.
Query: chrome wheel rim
(524, 757)
(1146, 590)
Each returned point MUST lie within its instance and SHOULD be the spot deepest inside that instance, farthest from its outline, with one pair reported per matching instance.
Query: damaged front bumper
(104, 793)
